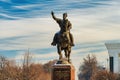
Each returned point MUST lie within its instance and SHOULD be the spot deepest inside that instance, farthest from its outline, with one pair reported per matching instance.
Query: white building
(114, 56)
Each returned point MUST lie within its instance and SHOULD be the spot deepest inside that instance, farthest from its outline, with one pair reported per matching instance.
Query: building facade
(114, 56)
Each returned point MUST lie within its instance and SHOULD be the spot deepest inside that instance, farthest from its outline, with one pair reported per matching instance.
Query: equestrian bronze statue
(63, 39)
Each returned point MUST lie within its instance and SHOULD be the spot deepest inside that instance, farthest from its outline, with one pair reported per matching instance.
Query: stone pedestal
(63, 72)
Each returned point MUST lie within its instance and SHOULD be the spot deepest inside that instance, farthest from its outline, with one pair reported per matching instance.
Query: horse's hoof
(60, 57)
(69, 60)
(66, 55)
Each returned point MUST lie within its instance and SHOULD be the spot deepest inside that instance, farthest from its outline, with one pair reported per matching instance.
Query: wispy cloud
(30, 9)
(28, 24)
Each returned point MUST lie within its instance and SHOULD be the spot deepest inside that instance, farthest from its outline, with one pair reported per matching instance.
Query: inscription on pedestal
(63, 72)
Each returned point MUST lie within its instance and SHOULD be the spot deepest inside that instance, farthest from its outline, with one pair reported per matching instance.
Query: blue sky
(28, 24)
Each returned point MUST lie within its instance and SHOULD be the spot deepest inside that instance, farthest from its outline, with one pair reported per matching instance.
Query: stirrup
(72, 44)
(53, 43)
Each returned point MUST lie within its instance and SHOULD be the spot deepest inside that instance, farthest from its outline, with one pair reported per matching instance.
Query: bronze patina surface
(63, 39)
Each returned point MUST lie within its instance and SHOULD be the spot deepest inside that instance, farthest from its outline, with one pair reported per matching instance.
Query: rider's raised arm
(53, 16)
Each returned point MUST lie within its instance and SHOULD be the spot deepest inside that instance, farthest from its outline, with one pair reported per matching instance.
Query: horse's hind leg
(59, 52)
(69, 55)
(66, 53)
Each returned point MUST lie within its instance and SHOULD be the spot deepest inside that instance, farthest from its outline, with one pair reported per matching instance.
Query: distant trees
(88, 68)
(91, 71)
(4, 67)
(35, 71)
(104, 75)
(27, 71)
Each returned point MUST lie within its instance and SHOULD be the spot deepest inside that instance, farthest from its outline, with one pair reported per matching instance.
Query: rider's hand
(52, 12)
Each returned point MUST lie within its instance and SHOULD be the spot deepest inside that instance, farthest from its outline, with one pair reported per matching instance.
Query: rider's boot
(53, 43)
(72, 44)
(54, 40)
(72, 40)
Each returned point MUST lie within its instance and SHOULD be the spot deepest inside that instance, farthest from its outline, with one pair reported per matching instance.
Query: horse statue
(64, 44)
(64, 38)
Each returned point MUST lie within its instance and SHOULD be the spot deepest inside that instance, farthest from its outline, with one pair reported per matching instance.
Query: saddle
(63, 38)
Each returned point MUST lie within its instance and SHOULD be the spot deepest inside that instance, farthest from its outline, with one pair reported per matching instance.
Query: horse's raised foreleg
(59, 52)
